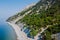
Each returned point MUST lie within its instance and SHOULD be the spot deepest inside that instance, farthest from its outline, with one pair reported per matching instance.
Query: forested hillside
(44, 13)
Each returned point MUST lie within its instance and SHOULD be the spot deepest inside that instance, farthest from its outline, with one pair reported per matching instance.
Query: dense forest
(44, 13)
(50, 16)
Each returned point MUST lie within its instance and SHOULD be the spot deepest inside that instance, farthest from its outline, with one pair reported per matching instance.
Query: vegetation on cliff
(45, 12)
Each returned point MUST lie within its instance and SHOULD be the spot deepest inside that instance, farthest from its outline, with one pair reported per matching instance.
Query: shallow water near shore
(6, 32)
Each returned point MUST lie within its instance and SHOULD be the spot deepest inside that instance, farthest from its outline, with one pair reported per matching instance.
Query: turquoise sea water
(6, 31)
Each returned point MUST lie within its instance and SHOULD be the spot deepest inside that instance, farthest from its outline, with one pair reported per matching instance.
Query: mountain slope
(43, 13)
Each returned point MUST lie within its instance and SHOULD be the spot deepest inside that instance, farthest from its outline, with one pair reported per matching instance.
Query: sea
(6, 31)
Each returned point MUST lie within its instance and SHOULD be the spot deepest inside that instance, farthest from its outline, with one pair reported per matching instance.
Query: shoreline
(20, 34)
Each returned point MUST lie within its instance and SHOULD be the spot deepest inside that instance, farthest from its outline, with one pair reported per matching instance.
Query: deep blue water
(6, 32)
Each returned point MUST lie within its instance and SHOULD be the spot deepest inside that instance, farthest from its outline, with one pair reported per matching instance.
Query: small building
(56, 36)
